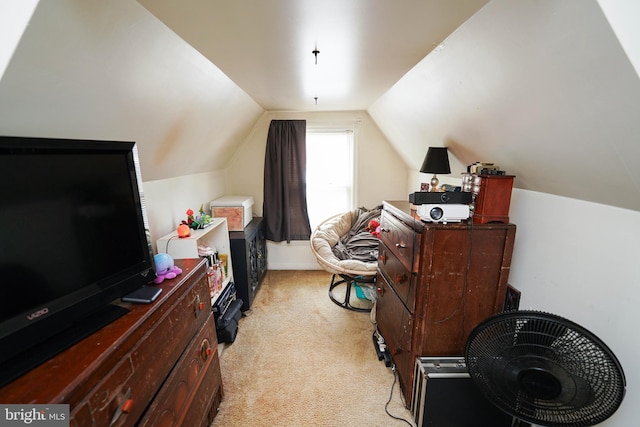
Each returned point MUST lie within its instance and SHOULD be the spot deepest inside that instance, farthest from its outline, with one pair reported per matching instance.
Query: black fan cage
(544, 369)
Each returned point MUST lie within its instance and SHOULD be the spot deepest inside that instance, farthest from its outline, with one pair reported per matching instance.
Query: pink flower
(189, 212)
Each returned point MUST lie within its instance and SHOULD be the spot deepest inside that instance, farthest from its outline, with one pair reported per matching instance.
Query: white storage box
(237, 209)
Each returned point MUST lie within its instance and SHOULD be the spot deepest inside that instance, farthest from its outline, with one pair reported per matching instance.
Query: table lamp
(183, 231)
(436, 161)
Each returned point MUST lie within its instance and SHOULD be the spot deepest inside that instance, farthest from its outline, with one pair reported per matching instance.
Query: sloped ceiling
(542, 88)
(14, 16)
(266, 47)
(110, 70)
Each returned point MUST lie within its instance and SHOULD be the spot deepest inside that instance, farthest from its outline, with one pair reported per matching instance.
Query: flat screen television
(73, 238)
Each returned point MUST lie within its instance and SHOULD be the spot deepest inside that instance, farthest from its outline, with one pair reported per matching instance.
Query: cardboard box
(237, 209)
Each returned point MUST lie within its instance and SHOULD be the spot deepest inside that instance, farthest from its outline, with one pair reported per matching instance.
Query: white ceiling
(543, 88)
(266, 47)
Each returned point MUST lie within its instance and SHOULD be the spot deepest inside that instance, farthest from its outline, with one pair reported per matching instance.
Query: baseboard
(296, 255)
(293, 266)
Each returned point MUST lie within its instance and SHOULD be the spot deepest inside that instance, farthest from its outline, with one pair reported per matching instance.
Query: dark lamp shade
(436, 161)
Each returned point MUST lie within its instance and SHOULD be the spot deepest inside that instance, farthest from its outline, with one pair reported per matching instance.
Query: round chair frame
(350, 272)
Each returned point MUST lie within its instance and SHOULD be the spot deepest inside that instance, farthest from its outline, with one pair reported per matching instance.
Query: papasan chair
(345, 247)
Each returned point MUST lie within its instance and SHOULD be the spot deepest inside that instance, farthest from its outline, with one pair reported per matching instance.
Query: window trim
(340, 128)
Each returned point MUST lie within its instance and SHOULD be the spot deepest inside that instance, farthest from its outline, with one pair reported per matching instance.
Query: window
(330, 172)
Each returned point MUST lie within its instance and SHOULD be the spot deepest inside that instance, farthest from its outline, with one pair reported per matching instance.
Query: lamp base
(434, 183)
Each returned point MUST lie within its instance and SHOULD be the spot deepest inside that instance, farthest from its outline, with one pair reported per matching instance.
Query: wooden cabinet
(249, 253)
(435, 283)
(493, 198)
(160, 359)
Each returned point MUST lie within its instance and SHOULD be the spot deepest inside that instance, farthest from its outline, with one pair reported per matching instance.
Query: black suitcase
(227, 324)
(224, 300)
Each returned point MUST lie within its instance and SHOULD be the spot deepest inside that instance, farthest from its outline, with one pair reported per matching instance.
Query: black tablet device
(143, 295)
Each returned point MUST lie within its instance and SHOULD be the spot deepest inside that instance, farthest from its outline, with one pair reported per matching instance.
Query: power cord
(166, 246)
(386, 406)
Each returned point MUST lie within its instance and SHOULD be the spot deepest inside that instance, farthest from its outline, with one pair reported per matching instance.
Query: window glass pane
(329, 174)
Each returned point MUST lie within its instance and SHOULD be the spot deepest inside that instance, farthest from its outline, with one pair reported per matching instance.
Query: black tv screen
(73, 237)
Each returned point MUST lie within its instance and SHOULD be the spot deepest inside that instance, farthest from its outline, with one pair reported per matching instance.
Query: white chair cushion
(325, 237)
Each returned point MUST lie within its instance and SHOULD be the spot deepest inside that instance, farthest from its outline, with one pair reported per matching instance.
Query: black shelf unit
(249, 258)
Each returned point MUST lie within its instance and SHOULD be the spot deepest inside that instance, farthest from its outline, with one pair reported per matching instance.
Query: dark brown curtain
(285, 187)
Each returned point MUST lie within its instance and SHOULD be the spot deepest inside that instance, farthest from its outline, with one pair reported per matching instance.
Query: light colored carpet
(301, 360)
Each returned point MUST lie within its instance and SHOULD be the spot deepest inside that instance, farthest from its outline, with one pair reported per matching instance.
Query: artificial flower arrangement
(197, 221)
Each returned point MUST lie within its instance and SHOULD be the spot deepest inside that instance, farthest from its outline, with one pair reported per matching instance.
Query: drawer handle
(384, 230)
(401, 245)
(206, 349)
(380, 290)
(125, 407)
(401, 278)
(198, 306)
(383, 257)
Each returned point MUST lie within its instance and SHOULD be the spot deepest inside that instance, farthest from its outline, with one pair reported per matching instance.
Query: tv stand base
(43, 351)
(160, 358)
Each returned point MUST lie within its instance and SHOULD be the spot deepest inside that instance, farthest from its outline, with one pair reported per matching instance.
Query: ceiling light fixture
(315, 54)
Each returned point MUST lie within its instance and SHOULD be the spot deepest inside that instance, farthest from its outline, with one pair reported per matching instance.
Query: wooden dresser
(435, 283)
(158, 363)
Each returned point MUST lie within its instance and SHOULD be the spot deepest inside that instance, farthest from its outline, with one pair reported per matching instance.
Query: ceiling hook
(315, 53)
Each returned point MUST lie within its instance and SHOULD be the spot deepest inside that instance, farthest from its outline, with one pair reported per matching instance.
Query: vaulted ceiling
(542, 88)
(547, 89)
(266, 47)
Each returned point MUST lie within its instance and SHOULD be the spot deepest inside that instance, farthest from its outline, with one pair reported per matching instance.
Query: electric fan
(544, 369)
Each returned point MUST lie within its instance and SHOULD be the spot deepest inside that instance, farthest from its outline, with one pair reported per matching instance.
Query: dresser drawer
(398, 276)
(400, 238)
(189, 383)
(139, 374)
(395, 323)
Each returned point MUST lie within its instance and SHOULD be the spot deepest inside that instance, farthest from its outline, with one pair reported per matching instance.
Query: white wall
(581, 260)
(380, 174)
(623, 16)
(168, 199)
(543, 88)
(14, 16)
(111, 70)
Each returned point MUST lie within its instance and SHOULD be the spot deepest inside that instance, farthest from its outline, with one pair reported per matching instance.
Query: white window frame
(319, 214)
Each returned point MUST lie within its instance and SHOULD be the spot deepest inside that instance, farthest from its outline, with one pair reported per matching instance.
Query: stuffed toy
(165, 268)
(374, 228)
